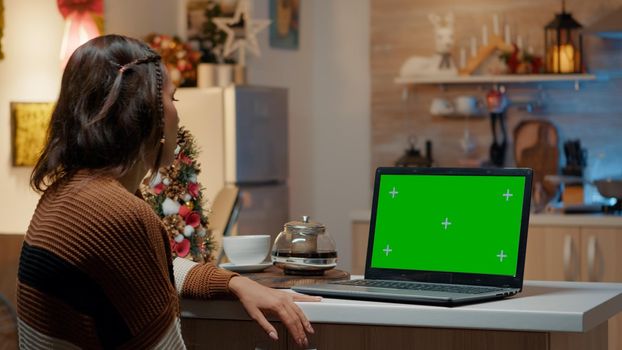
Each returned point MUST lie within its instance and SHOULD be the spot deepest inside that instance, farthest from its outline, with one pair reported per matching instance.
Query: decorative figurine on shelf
(177, 197)
(441, 62)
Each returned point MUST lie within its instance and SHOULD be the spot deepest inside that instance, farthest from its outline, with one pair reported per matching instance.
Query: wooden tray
(536, 146)
(274, 277)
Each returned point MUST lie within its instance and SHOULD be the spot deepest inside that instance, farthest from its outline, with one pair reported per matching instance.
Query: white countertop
(600, 220)
(542, 306)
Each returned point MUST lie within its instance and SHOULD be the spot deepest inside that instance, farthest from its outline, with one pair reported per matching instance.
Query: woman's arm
(206, 281)
(200, 281)
(259, 300)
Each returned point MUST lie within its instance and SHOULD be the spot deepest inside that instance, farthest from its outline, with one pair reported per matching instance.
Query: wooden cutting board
(274, 277)
(536, 146)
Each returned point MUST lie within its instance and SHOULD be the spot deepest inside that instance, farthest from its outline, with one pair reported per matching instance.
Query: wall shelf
(496, 79)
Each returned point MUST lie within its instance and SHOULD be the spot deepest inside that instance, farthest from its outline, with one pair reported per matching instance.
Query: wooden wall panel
(400, 29)
(10, 247)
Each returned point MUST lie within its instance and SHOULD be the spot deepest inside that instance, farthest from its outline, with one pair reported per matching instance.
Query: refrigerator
(241, 132)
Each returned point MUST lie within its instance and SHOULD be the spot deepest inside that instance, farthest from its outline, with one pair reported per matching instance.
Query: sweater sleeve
(200, 281)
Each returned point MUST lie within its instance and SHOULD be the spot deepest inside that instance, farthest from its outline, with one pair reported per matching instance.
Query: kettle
(413, 158)
(304, 248)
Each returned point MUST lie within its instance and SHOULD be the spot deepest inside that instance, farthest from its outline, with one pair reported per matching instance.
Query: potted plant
(214, 68)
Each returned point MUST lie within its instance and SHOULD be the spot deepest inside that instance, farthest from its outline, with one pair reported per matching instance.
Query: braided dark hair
(159, 84)
(109, 111)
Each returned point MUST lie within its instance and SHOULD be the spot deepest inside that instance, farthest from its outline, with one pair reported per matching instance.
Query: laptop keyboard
(418, 286)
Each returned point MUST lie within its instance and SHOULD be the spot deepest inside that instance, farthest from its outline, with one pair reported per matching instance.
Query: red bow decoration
(66, 7)
(83, 21)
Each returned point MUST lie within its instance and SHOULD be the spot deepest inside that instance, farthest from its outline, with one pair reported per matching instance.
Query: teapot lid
(305, 226)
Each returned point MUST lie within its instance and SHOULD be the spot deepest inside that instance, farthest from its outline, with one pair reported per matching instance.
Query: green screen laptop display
(449, 223)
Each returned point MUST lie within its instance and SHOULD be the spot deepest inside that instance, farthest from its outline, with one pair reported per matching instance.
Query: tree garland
(177, 197)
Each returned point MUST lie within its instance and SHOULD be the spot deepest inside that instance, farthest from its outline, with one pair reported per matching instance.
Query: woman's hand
(258, 299)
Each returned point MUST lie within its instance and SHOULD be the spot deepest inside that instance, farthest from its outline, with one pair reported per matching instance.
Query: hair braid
(113, 95)
(159, 84)
(160, 119)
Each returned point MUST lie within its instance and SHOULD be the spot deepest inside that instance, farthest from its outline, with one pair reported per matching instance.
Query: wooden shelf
(496, 79)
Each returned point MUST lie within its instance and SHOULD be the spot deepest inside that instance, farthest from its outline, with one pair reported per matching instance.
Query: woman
(96, 269)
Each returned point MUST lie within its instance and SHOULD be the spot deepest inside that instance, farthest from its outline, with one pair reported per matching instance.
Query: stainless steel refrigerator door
(255, 134)
(264, 210)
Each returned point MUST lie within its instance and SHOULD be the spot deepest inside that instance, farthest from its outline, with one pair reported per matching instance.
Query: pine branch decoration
(176, 196)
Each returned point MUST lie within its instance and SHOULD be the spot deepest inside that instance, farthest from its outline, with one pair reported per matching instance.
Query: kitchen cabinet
(231, 334)
(553, 253)
(578, 253)
(226, 334)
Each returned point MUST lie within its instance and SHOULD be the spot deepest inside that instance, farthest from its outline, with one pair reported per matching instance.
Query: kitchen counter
(542, 306)
(573, 310)
(539, 219)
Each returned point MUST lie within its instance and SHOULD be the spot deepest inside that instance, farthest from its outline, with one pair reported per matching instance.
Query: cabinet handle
(591, 258)
(568, 258)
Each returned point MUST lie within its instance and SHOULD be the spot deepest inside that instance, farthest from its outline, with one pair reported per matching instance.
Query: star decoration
(241, 31)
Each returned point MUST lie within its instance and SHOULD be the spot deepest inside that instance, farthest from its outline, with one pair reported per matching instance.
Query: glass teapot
(304, 248)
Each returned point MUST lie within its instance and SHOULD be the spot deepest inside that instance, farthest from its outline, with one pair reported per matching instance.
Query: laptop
(444, 236)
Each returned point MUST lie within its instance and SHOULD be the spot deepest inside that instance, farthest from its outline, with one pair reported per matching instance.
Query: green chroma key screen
(449, 223)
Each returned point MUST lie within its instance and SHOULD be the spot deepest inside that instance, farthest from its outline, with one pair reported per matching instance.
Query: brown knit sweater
(96, 272)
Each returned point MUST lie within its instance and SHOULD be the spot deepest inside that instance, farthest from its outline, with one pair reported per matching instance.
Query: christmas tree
(177, 197)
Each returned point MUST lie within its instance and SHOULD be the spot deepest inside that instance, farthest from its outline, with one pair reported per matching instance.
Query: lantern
(563, 46)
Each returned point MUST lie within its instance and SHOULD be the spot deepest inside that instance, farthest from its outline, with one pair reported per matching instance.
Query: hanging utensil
(496, 101)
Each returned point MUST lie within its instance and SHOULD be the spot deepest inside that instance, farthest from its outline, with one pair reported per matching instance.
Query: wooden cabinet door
(577, 254)
(553, 253)
(602, 262)
(602, 258)
(230, 334)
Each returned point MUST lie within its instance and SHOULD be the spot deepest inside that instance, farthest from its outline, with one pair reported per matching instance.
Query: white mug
(441, 106)
(246, 249)
(468, 105)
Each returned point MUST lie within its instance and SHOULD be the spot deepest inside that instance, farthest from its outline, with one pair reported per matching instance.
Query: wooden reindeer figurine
(440, 62)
